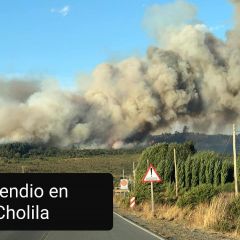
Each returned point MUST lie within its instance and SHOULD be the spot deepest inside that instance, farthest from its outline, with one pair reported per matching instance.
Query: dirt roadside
(170, 229)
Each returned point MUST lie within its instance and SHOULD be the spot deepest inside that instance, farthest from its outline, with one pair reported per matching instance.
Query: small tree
(195, 172)
(188, 172)
(217, 172)
(202, 170)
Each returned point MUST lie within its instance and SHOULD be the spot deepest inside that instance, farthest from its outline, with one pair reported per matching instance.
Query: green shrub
(199, 194)
(227, 187)
(170, 190)
(231, 220)
(234, 209)
(124, 202)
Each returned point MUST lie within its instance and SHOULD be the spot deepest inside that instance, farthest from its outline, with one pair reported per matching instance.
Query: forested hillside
(218, 143)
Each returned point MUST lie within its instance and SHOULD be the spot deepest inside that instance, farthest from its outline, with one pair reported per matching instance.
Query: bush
(227, 187)
(199, 194)
(231, 220)
(234, 209)
(123, 202)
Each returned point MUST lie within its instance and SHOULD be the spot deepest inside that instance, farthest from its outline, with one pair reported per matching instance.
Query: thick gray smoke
(191, 78)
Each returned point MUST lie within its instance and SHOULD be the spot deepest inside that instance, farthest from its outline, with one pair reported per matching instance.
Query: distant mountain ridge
(218, 142)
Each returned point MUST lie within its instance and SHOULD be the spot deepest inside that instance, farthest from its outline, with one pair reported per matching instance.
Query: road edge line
(44, 236)
(138, 226)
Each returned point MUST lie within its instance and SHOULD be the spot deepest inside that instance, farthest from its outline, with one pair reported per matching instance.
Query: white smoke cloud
(193, 80)
(161, 20)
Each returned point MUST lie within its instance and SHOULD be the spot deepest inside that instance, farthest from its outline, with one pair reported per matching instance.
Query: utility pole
(124, 193)
(176, 171)
(235, 160)
(134, 177)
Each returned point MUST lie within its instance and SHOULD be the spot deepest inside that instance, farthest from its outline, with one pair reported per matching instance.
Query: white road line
(142, 228)
(44, 236)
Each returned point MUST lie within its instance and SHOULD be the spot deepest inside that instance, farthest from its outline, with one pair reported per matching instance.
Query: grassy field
(113, 164)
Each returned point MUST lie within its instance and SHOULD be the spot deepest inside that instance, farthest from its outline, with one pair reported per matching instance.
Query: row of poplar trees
(193, 168)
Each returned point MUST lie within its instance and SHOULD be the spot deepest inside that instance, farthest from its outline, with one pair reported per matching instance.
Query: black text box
(73, 201)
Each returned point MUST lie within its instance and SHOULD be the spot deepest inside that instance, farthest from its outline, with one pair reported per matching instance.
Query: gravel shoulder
(170, 229)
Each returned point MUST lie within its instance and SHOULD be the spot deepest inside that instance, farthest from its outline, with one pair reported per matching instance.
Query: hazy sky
(62, 38)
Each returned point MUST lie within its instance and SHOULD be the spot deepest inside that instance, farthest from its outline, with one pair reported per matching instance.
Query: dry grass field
(113, 164)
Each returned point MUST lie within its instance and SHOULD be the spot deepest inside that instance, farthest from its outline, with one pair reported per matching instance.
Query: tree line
(31, 150)
(194, 168)
(202, 142)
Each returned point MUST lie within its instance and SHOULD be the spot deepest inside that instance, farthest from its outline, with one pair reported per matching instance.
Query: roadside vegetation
(206, 199)
(206, 190)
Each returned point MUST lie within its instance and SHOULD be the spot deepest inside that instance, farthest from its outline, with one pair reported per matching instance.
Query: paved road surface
(123, 229)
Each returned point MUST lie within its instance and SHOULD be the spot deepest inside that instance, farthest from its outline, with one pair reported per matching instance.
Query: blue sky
(62, 38)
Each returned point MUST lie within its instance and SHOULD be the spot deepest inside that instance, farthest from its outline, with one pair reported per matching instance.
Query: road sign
(124, 184)
(151, 175)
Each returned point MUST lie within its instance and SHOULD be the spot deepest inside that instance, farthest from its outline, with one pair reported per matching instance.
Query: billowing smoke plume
(191, 78)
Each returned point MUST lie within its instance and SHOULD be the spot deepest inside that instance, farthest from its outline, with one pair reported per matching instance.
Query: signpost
(134, 177)
(152, 176)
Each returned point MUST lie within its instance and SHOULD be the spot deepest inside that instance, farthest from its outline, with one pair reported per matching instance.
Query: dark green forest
(28, 150)
(218, 143)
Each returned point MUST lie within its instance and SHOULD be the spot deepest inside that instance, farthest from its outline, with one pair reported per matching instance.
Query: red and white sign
(124, 184)
(132, 202)
(151, 175)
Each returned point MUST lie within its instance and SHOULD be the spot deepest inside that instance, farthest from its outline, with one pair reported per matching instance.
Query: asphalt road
(122, 229)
